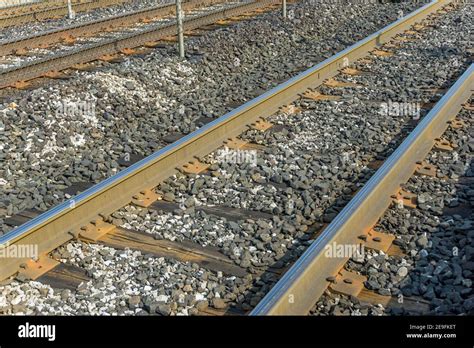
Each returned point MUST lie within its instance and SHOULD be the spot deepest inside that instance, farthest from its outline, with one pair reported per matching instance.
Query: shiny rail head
(116, 179)
(279, 290)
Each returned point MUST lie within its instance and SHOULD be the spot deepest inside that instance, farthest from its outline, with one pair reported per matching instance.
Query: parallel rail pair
(306, 280)
(91, 52)
(83, 29)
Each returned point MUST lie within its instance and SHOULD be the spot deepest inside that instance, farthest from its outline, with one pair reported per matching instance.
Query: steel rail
(299, 289)
(94, 51)
(56, 11)
(77, 30)
(52, 228)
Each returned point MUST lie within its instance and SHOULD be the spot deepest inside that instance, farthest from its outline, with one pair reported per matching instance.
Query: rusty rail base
(62, 61)
(81, 29)
(52, 228)
(300, 288)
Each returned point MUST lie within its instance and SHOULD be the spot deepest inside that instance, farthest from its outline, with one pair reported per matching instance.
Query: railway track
(51, 10)
(300, 287)
(136, 184)
(71, 33)
(52, 65)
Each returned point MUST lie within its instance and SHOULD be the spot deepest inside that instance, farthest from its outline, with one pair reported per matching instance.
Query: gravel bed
(319, 183)
(436, 238)
(297, 179)
(81, 17)
(124, 282)
(314, 165)
(83, 42)
(132, 106)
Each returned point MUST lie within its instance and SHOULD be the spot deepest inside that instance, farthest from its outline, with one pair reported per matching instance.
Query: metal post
(284, 9)
(179, 20)
(70, 12)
